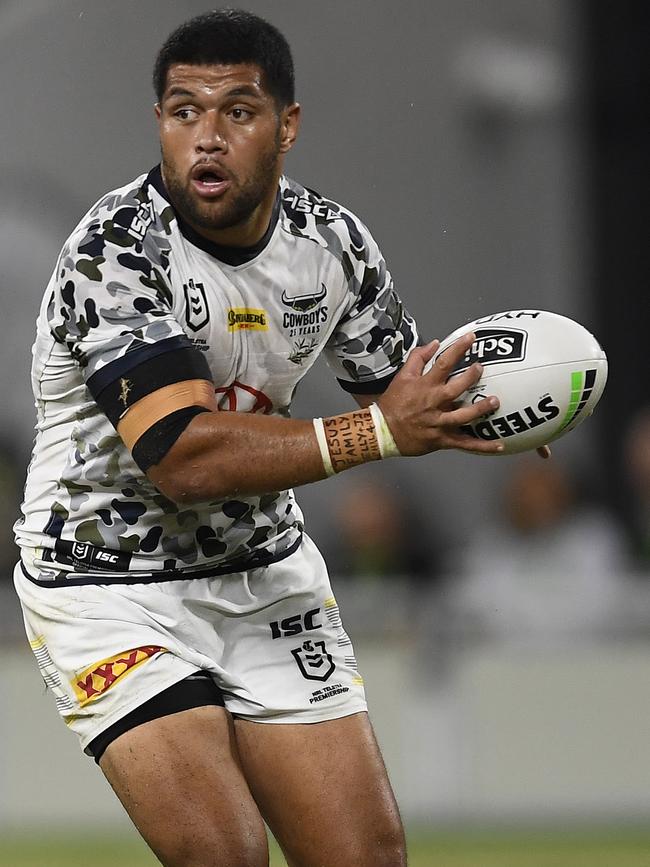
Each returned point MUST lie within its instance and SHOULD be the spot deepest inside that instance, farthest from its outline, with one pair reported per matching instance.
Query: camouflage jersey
(133, 283)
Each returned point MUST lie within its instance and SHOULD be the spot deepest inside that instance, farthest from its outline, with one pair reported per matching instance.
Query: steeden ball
(548, 372)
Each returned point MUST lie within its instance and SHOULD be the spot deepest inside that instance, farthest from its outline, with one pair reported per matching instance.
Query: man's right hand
(420, 408)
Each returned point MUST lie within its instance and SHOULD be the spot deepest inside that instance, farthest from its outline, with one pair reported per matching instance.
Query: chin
(216, 222)
(207, 216)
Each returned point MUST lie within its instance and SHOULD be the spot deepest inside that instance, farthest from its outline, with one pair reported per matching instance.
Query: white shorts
(271, 638)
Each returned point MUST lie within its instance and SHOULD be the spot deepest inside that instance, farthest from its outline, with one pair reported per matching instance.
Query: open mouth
(209, 181)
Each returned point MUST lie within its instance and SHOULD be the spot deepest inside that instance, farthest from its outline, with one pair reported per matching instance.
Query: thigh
(324, 792)
(180, 780)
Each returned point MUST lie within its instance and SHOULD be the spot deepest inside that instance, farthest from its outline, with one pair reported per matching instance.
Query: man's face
(223, 140)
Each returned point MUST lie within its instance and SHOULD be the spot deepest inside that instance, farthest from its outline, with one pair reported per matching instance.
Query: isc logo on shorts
(93, 681)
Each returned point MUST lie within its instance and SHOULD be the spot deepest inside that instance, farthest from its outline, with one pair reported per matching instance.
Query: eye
(239, 113)
(185, 113)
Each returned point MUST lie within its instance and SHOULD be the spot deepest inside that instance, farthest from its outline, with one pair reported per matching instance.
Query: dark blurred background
(498, 151)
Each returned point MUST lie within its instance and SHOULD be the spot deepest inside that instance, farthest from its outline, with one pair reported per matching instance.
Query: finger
(430, 350)
(458, 384)
(474, 445)
(420, 356)
(544, 452)
(467, 414)
(447, 360)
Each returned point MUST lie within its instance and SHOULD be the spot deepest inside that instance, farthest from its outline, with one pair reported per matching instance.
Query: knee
(206, 852)
(389, 847)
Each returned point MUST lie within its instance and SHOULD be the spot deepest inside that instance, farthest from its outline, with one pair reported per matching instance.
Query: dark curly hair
(226, 36)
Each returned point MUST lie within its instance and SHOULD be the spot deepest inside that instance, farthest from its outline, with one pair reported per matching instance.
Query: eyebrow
(177, 90)
(243, 90)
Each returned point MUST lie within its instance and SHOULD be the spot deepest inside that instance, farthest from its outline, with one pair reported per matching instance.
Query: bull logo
(303, 303)
(314, 662)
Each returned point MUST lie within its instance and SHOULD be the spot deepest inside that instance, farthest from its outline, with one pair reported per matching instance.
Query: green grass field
(612, 848)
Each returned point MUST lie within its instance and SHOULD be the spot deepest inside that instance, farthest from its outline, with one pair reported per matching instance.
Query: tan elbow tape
(162, 402)
(353, 438)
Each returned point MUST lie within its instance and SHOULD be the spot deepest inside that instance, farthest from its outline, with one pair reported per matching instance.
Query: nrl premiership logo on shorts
(314, 662)
(494, 346)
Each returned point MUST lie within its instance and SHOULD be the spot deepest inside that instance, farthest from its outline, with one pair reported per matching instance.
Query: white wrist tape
(385, 441)
(322, 445)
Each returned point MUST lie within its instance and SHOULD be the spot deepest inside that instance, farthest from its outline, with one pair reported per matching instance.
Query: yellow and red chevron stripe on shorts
(93, 681)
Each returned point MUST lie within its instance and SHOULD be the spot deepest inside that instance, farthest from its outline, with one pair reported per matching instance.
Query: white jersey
(133, 285)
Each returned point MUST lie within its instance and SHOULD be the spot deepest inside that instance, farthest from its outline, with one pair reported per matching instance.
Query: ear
(156, 109)
(289, 125)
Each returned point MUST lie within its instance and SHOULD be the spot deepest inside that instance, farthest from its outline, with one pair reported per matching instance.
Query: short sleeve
(375, 335)
(111, 304)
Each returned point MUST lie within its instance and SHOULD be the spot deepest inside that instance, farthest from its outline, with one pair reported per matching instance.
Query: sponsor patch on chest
(247, 319)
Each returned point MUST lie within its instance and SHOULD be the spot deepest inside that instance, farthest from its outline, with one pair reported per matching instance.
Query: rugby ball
(548, 372)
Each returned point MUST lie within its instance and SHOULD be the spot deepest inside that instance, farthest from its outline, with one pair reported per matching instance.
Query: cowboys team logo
(303, 303)
(309, 312)
(197, 313)
(314, 662)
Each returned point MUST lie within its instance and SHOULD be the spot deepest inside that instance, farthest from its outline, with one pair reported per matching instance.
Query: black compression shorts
(197, 690)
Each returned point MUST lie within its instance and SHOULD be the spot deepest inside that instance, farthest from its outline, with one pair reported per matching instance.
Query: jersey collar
(228, 255)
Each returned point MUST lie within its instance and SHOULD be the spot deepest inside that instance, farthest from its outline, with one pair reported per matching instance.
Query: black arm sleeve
(155, 442)
(375, 386)
(120, 384)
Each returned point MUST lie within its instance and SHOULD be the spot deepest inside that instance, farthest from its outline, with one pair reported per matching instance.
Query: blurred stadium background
(500, 614)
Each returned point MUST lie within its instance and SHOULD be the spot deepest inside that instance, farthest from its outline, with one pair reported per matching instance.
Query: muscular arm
(225, 454)
(222, 454)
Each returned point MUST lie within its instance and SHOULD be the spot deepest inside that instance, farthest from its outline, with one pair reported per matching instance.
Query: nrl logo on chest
(197, 312)
(309, 313)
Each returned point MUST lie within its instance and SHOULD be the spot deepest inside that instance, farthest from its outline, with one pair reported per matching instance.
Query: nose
(211, 138)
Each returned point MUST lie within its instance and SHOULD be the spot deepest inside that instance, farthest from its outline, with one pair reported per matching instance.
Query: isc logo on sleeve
(247, 319)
